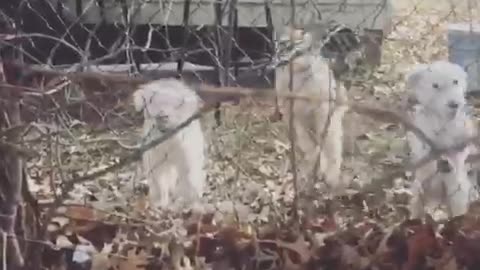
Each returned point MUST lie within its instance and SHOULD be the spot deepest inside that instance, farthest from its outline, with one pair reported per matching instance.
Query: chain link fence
(75, 132)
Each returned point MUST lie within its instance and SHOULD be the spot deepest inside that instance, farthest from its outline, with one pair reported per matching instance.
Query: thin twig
(291, 127)
(4, 250)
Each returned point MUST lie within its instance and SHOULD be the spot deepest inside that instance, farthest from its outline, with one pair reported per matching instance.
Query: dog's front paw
(458, 199)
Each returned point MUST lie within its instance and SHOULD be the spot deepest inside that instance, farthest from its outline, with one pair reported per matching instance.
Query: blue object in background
(464, 50)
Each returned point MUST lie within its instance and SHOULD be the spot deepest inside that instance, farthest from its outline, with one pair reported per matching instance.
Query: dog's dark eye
(455, 82)
(435, 85)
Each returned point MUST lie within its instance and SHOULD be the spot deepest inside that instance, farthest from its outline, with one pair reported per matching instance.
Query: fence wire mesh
(80, 138)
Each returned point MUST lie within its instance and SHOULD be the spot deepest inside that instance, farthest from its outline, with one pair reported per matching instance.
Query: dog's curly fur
(175, 167)
(318, 126)
(440, 111)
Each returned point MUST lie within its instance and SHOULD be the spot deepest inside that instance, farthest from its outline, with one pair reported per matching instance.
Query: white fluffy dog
(318, 125)
(439, 110)
(175, 167)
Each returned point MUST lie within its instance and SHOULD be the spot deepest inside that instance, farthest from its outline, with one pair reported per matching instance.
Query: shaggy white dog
(439, 110)
(318, 125)
(175, 167)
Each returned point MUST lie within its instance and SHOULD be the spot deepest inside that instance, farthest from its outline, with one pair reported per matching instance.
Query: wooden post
(79, 7)
(228, 41)
(11, 167)
(224, 44)
(277, 115)
(218, 24)
(130, 59)
(186, 34)
(101, 5)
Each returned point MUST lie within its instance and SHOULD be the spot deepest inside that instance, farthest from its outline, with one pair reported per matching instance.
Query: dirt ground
(247, 152)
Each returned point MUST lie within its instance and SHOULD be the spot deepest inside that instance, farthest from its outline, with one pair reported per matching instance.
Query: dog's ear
(166, 97)
(287, 31)
(463, 76)
(292, 33)
(413, 77)
(139, 100)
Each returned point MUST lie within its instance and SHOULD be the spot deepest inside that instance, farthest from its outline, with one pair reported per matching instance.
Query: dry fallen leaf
(136, 259)
(101, 260)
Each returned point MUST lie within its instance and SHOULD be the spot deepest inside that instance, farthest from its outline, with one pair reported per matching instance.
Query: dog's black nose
(444, 166)
(453, 105)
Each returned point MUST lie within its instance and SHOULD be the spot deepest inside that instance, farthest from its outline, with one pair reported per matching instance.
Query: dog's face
(344, 46)
(168, 101)
(439, 86)
(330, 40)
(291, 41)
(347, 62)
